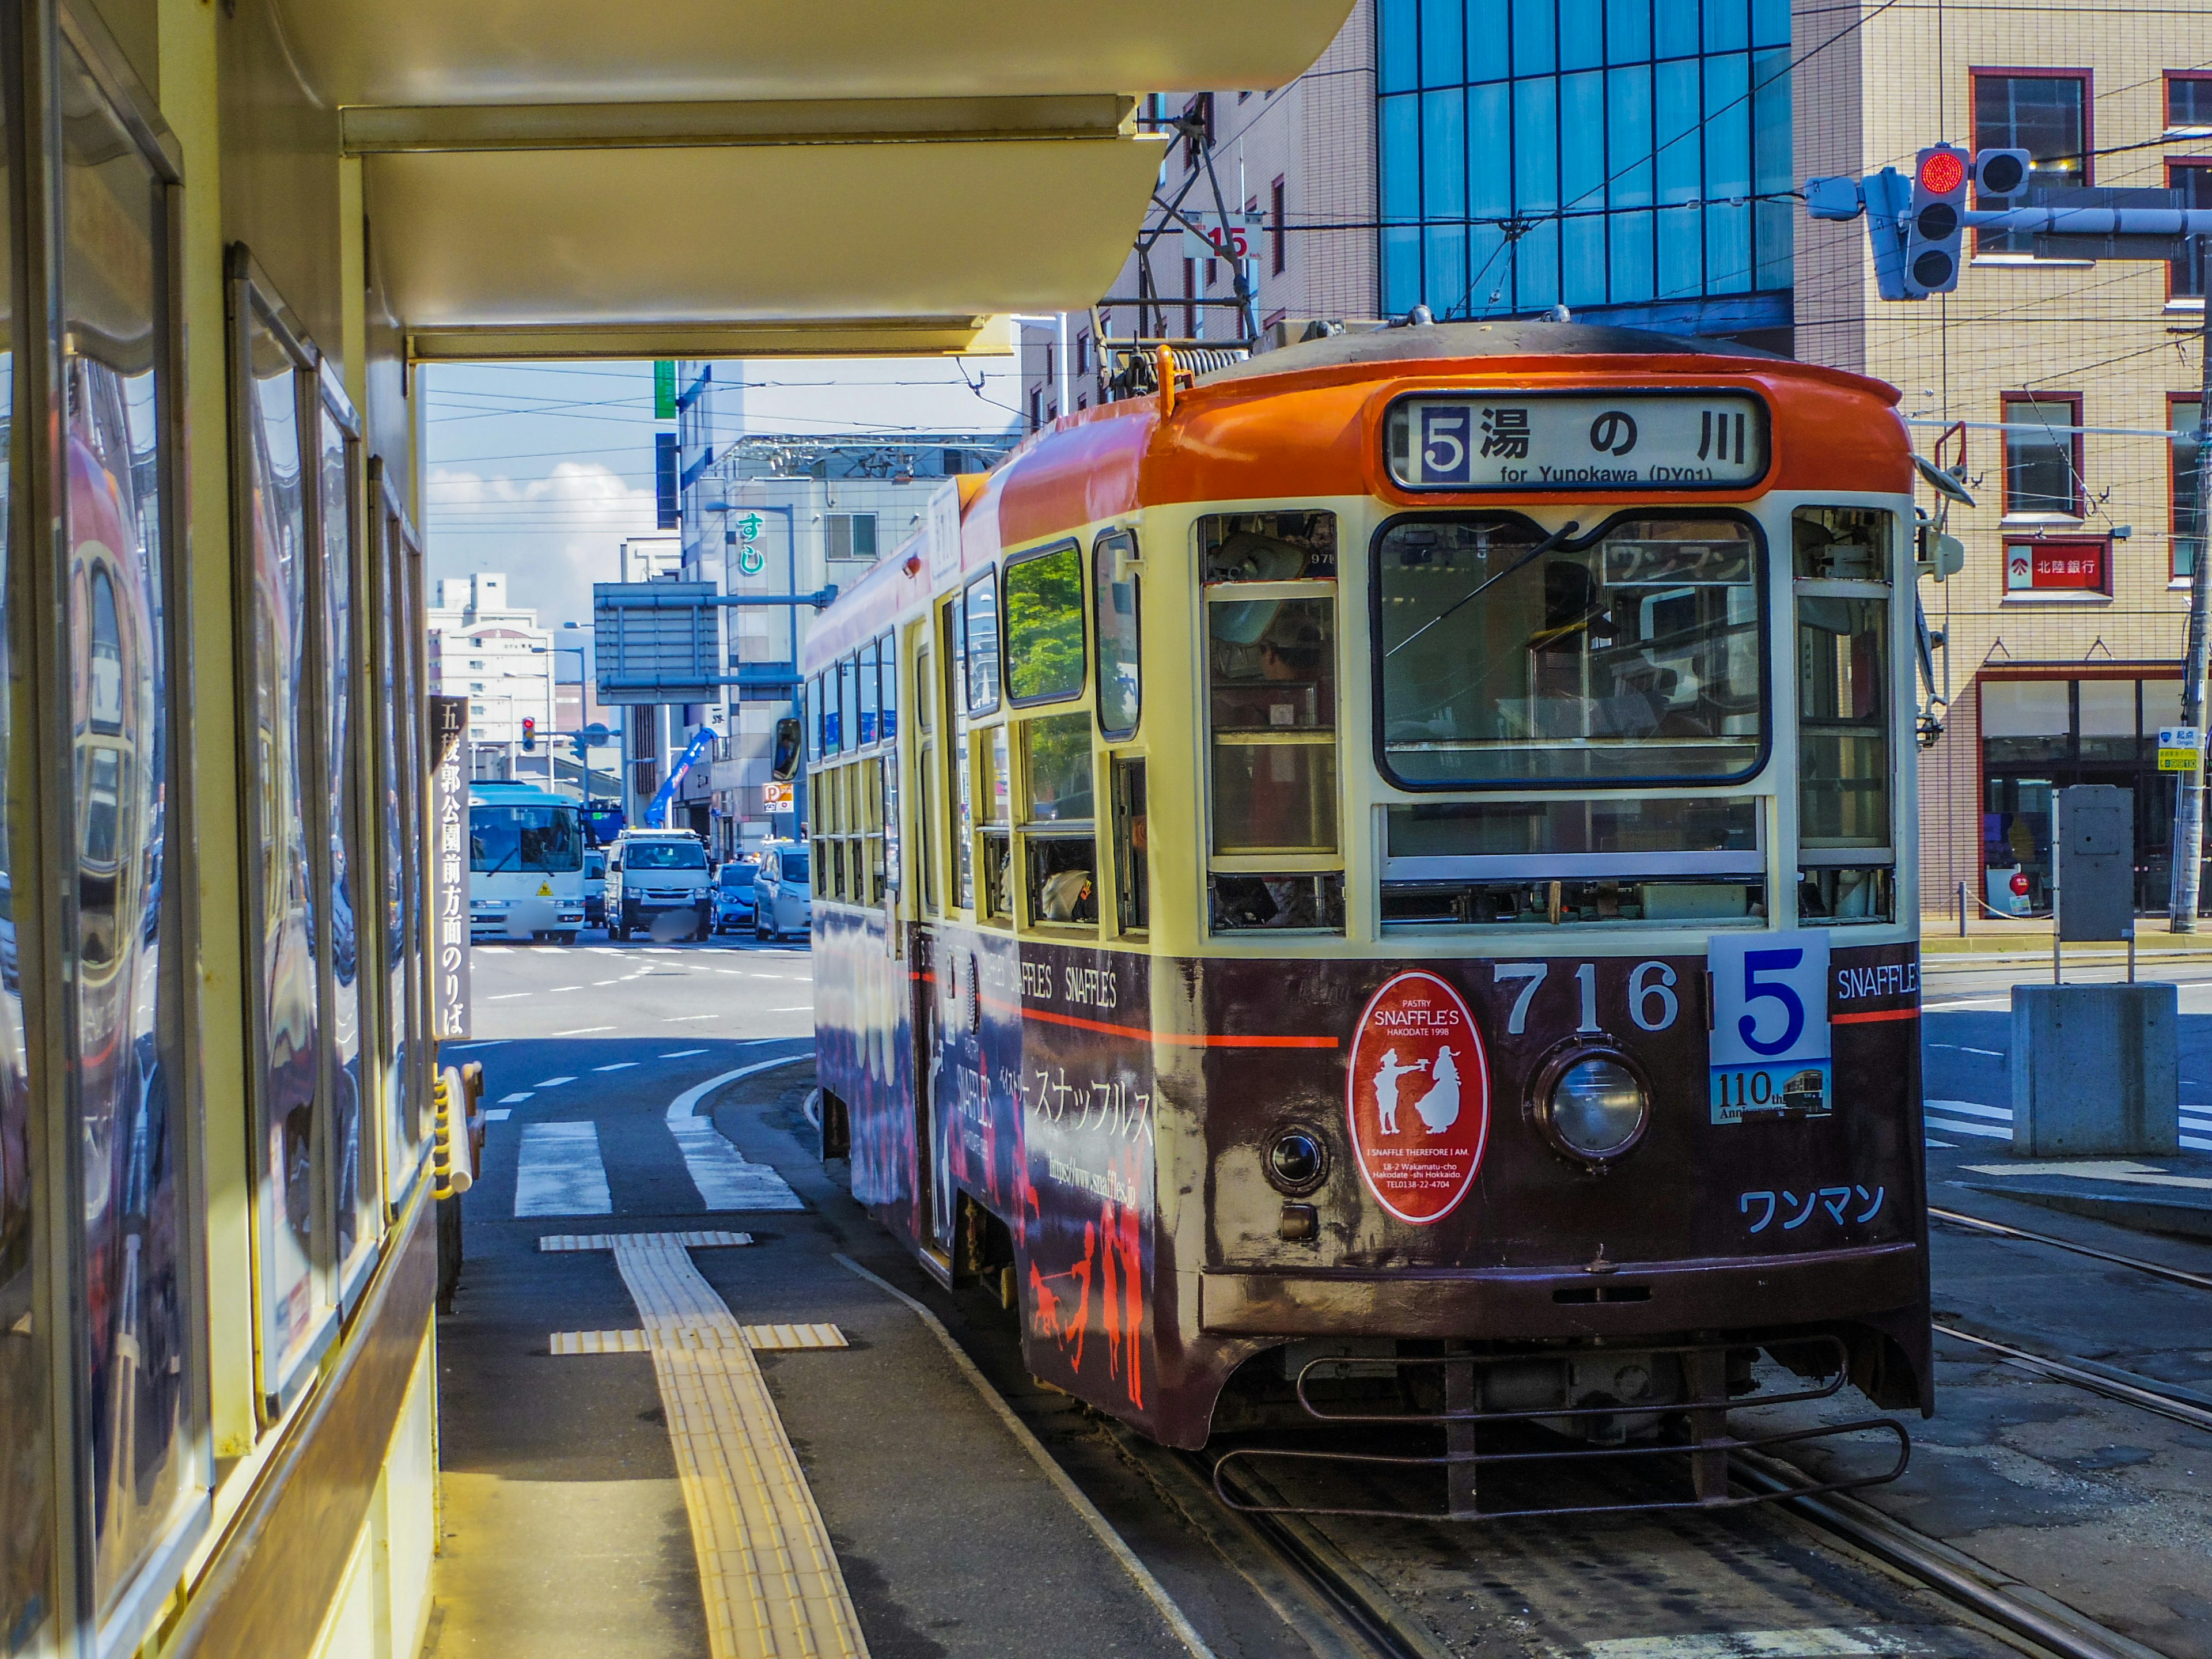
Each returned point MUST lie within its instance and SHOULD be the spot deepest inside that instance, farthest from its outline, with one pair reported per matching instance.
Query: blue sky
(540, 470)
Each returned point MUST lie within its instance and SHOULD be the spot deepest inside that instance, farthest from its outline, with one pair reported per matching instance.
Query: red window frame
(2080, 507)
(2166, 91)
(2176, 165)
(2043, 550)
(2174, 403)
(2087, 79)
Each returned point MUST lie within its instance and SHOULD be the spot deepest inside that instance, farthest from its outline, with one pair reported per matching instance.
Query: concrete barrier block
(2096, 1071)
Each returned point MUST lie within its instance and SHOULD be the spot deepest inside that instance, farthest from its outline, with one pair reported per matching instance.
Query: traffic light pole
(2189, 793)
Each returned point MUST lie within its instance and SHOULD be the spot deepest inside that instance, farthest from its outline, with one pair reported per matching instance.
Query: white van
(657, 885)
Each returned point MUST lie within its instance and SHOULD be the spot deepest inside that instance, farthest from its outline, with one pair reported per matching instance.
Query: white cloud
(553, 536)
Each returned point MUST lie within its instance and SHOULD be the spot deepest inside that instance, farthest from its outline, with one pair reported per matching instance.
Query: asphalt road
(724, 988)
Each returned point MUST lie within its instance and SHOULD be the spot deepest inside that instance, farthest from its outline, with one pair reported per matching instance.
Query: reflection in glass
(1044, 626)
(1843, 721)
(1120, 682)
(1059, 782)
(979, 638)
(391, 798)
(27, 1521)
(1272, 699)
(354, 1212)
(282, 900)
(1633, 655)
(125, 1038)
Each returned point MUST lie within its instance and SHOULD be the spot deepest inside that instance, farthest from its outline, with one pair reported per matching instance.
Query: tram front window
(536, 839)
(1633, 655)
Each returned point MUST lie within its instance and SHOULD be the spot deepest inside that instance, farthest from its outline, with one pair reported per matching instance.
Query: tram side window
(1132, 866)
(887, 655)
(869, 693)
(1271, 698)
(998, 827)
(1845, 713)
(1113, 591)
(814, 720)
(925, 716)
(848, 705)
(1059, 836)
(1631, 655)
(1044, 625)
(1266, 547)
(979, 642)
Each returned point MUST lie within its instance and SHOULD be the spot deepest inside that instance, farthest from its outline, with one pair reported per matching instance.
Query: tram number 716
(1653, 1003)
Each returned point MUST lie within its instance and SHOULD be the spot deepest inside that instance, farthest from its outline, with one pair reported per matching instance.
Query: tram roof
(749, 177)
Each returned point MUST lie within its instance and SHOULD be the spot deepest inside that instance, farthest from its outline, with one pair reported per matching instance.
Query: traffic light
(1936, 224)
(528, 733)
(2002, 172)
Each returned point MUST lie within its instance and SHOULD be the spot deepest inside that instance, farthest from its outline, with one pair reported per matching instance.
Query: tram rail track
(2004, 1230)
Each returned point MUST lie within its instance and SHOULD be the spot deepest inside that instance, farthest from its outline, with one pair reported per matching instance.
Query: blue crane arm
(656, 811)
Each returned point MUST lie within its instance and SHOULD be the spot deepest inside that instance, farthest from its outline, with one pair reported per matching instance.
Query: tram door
(930, 983)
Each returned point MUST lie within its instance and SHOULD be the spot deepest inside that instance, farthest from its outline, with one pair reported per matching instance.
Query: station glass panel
(1631, 655)
(281, 899)
(1044, 625)
(126, 1038)
(390, 795)
(1121, 676)
(27, 1522)
(354, 1213)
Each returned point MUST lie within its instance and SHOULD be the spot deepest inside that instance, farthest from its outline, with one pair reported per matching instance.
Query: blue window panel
(1728, 250)
(1675, 31)
(1443, 58)
(1581, 33)
(1775, 226)
(1535, 146)
(1399, 127)
(1444, 257)
(1681, 235)
(1728, 126)
(1628, 135)
(1401, 270)
(1631, 235)
(1628, 31)
(1489, 41)
(1675, 116)
(1770, 22)
(1581, 260)
(1535, 26)
(1581, 141)
(1490, 151)
(1770, 122)
(1443, 154)
(1728, 25)
(1536, 268)
(1397, 46)
(1490, 279)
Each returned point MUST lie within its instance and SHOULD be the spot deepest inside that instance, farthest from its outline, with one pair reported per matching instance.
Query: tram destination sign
(1524, 441)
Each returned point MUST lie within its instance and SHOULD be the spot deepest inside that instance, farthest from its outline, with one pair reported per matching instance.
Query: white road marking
(456, 1047)
(795, 1008)
(681, 1053)
(2140, 1174)
(1948, 1145)
(687, 1103)
(1983, 1130)
(584, 1031)
(490, 949)
(598, 982)
(619, 1065)
(725, 1179)
(498, 1114)
(1826, 1642)
(514, 1099)
(560, 1171)
(507, 996)
(553, 989)
(677, 1019)
(552, 1082)
(1969, 1108)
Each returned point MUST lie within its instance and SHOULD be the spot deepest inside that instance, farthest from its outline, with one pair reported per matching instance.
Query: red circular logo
(1418, 1098)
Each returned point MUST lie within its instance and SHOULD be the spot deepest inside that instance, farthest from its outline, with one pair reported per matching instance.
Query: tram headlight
(1592, 1107)
(1297, 1162)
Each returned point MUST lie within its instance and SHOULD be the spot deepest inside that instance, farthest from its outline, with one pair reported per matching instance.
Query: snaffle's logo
(1418, 1098)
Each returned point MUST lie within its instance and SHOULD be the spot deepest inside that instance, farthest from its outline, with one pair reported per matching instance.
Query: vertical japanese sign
(664, 391)
(449, 869)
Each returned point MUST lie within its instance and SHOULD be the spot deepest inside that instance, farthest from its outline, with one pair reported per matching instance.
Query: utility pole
(2188, 788)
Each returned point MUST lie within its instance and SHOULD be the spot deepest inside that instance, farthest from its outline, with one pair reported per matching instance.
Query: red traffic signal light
(528, 733)
(1941, 171)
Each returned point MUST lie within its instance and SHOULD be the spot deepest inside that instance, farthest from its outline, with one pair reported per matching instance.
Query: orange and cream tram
(1378, 884)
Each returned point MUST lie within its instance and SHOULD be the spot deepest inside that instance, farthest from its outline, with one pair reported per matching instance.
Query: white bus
(525, 863)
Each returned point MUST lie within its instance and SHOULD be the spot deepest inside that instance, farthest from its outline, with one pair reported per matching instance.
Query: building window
(2188, 103)
(2045, 113)
(1037, 407)
(852, 535)
(2059, 566)
(2183, 415)
(1189, 293)
(2043, 455)
(1275, 217)
(1083, 352)
(1647, 150)
(2193, 179)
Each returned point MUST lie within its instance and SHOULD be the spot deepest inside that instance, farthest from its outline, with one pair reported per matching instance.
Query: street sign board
(657, 642)
(1535, 440)
(449, 874)
(776, 796)
(2180, 749)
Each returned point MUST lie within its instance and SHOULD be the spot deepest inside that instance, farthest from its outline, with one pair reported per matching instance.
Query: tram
(1386, 872)
(525, 863)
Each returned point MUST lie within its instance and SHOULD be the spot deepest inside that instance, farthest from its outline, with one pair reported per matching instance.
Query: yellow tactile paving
(761, 1339)
(771, 1581)
(606, 1241)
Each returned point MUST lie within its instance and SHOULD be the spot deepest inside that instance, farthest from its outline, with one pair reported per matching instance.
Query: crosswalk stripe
(1968, 1109)
(560, 1171)
(1982, 1129)
(718, 1171)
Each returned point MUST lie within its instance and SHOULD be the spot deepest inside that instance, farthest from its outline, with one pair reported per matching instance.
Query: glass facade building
(1628, 154)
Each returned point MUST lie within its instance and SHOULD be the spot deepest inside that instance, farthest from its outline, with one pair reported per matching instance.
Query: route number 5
(1770, 997)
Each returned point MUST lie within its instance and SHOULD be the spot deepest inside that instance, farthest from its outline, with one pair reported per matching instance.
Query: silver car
(783, 894)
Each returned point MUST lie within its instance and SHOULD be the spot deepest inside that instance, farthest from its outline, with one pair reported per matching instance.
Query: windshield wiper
(1535, 552)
